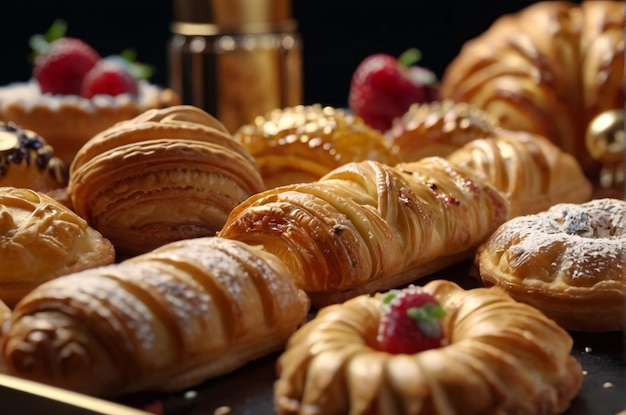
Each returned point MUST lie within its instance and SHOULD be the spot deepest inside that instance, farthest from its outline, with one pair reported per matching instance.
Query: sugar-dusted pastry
(496, 356)
(300, 144)
(548, 69)
(162, 321)
(532, 171)
(438, 128)
(27, 160)
(366, 227)
(568, 261)
(165, 175)
(41, 239)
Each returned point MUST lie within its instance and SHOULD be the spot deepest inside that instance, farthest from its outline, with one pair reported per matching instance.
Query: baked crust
(502, 357)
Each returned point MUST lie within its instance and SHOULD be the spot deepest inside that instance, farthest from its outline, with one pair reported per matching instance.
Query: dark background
(336, 34)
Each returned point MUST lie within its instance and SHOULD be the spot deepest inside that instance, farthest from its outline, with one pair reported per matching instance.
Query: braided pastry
(366, 226)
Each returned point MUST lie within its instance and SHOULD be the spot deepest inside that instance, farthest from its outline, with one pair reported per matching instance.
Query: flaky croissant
(165, 320)
(367, 226)
(532, 171)
(501, 357)
(165, 175)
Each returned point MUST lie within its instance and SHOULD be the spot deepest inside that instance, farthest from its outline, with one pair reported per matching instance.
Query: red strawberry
(411, 322)
(60, 70)
(384, 87)
(110, 78)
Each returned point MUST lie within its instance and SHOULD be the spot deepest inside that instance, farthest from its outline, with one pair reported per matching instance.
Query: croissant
(165, 175)
(162, 321)
(501, 357)
(367, 226)
(300, 144)
(533, 172)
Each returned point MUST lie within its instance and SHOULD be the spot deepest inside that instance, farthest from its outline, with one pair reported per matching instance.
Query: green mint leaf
(410, 57)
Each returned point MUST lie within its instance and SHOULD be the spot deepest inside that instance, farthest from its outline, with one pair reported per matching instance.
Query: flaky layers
(367, 226)
(502, 357)
(164, 320)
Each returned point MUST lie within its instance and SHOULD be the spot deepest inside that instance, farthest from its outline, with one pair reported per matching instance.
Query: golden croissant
(368, 226)
(161, 321)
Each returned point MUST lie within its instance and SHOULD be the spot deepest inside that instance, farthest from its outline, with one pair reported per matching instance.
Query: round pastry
(27, 160)
(548, 69)
(438, 128)
(300, 144)
(497, 356)
(41, 239)
(568, 261)
(68, 121)
(166, 175)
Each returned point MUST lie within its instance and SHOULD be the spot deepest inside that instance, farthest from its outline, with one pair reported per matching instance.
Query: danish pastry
(41, 239)
(161, 321)
(501, 357)
(568, 261)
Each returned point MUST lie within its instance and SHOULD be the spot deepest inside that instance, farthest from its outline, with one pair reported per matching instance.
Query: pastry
(27, 160)
(567, 261)
(300, 144)
(548, 69)
(499, 357)
(532, 171)
(41, 239)
(162, 321)
(165, 175)
(438, 129)
(367, 226)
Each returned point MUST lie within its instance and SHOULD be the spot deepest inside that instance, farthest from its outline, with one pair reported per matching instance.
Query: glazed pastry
(500, 357)
(68, 121)
(5, 314)
(165, 175)
(438, 129)
(41, 240)
(533, 172)
(567, 261)
(548, 69)
(300, 144)
(27, 160)
(366, 227)
(162, 321)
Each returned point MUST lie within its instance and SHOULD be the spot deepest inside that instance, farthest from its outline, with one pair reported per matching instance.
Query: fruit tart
(75, 93)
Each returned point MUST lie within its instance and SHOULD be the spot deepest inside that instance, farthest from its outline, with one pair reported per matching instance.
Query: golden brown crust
(367, 226)
(42, 240)
(165, 175)
(166, 320)
(567, 261)
(300, 144)
(502, 357)
(548, 69)
(533, 172)
(67, 122)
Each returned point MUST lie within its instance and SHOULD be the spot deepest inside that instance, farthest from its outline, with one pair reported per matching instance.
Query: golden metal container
(235, 59)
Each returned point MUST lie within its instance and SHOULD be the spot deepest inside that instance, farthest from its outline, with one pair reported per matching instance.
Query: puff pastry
(533, 172)
(165, 175)
(162, 321)
(41, 239)
(568, 261)
(366, 226)
(502, 357)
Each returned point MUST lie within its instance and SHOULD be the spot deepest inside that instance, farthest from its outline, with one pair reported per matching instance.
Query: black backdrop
(337, 34)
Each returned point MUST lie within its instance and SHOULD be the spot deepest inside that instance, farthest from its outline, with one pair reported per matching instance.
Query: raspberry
(411, 322)
(110, 78)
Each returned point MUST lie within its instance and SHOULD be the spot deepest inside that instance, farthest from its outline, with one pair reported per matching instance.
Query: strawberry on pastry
(108, 77)
(411, 322)
(383, 87)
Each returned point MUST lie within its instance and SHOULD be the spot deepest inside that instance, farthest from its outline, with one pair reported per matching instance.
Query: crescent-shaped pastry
(162, 321)
(367, 226)
(501, 357)
(165, 175)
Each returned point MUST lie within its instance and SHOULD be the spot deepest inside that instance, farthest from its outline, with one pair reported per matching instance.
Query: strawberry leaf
(410, 57)
(40, 43)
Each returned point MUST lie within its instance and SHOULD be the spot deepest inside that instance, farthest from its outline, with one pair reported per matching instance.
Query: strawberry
(411, 322)
(110, 78)
(384, 87)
